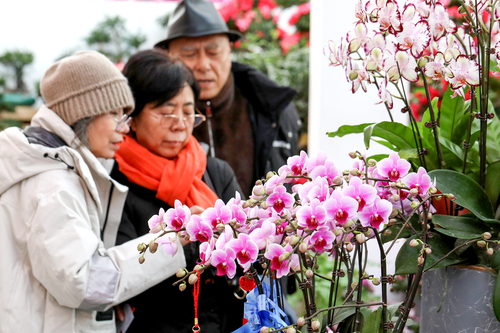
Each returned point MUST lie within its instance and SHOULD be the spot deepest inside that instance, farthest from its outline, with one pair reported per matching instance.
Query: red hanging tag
(196, 294)
(247, 284)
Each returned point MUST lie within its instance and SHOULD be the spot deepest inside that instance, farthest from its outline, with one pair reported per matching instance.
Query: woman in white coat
(60, 210)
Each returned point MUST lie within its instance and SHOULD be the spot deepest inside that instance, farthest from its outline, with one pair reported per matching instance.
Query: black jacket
(275, 120)
(164, 308)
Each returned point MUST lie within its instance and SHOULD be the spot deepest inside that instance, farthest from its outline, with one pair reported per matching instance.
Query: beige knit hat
(84, 85)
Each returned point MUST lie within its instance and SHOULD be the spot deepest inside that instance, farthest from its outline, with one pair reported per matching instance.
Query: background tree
(17, 61)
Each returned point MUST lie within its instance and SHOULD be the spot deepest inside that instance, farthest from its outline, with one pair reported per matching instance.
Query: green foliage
(111, 38)
(17, 60)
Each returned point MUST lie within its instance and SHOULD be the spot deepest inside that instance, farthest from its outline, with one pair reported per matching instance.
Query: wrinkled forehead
(219, 41)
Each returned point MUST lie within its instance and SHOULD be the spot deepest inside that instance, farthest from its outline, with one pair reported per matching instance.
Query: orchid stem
(383, 271)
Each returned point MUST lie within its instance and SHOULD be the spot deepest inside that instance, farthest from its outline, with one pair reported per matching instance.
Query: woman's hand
(196, 210)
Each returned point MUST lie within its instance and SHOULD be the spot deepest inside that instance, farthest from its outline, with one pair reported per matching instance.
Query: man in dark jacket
(253, 124)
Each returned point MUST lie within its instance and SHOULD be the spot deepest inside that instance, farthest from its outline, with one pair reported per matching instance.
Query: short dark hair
(154, 77)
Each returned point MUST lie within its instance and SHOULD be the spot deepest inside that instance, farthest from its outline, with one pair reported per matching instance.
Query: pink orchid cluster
(326, 206)
(390, 41)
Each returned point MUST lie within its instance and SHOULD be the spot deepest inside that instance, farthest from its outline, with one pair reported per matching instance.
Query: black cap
(196, 18)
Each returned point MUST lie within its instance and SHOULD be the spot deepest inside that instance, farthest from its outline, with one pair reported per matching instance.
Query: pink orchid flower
(337, 55)
(295, 262)
(224, 238)
(224, 262)
(168, 244)
(219, 214)
(440, 22)
(449, 47)
(384, 94)
(316, 160)
(341, 208)
(297, 164)
(199, 230)
(421, 6)
(156, 223)
(364, 194)
(274, 181)
(407, 66)
(328, 171)
(393, 167)
(280, 199)
(463, 71)
(322, 240)
(313, 216)
(414, 37)
(177, 217)
(237, 213)
(389, 18)
(436, 69)
(375, 60)
(419, 180)
(376, 214)
(246, 250)
(273, 253)
(358, 37)
(206, 249)
(264, 235)
(320, 190)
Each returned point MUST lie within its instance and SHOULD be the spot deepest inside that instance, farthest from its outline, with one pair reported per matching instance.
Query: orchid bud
(396, 197)
(375, 281)
(348, 223)
(303, 247)
(245, 205)
(182, 286)
(181, 272)
(309, 273)
(392, 222)
(393, 185)
(388, 232)
(429, 216)
(264, 205)
(428, 250)
(289, 228)
(451, 196)
(141, 260)
(315, 325)
(153, 246)
(394, 213)
(220, 227)
(353, 75)
(481, 243)
(301, 321)
(258, 182)
(420, 260)
(337, 180)
(490, 251)
(372, 162)
(294, 240)
(349, 247)
(414, 204)
(432, 190)
(269, 175)
(291, 330)
(354, 285)
(414, 192)
(264, 329)
(193, 278)
(486, 235)
(422, 62)
(438, 198)
(352, 154)
(199, 268)
(413, 243)
(337, 232)
(360, 238)
(259, 190)
(354, 172)
(284, 256)
(141, 247)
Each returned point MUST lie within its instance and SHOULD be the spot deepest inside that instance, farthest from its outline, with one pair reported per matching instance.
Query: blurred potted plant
(458, 139)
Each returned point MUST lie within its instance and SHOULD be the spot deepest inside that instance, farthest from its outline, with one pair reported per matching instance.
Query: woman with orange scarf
(160, 161)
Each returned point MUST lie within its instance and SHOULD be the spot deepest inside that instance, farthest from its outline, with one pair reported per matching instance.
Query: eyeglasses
(125, 120)
(194, 120)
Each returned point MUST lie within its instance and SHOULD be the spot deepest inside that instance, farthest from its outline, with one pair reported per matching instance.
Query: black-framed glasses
(125, 120)
(194, 119)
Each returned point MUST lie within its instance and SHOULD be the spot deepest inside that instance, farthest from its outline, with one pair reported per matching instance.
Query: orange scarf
(177, 178)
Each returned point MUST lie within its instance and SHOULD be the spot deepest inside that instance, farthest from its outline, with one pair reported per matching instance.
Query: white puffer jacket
(58, 266)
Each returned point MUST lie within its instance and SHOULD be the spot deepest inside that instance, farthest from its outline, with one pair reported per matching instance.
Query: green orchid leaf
(373, 322)
(406, 260)
(451, 115)
(458, 233)
(343, 313)
(368, 135)
(467, 192)
(460, 223)
(493, 137)
(495, 261)
(378, 157)
(348, 129)
(408, 153)
(385, 144)
(463, 248)
(492, 182)
(398, 134)
(460, 132)
(393, 308)
(452, 153)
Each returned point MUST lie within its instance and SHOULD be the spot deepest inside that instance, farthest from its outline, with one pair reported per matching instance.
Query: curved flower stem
(449, 253)
(333, 286)
(383, 271)
(441, 161)
(302, 260)
(359, 248)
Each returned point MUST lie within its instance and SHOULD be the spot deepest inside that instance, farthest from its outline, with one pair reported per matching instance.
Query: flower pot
(458, 300)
